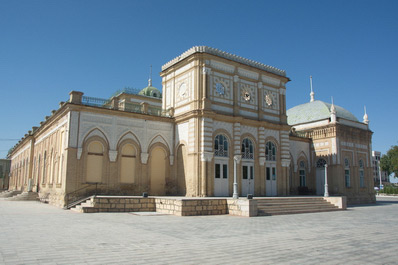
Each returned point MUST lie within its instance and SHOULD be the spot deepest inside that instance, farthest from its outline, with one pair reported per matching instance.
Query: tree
(389, 161)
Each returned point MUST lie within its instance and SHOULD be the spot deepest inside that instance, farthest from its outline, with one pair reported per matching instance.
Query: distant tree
(389, 161)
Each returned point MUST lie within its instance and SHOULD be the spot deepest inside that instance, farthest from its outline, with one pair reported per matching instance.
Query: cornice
(226, 55)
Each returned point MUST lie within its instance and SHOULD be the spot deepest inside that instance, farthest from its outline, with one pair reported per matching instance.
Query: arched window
(361, 174)
(247, 149)
(44, 167)
(303, 181)
(221, 146)
(321, 163)
(94, 162)
(127, 167)
(347, 173)
(270, 151)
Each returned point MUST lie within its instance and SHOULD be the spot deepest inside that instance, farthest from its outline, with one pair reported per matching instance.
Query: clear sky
(49, 48)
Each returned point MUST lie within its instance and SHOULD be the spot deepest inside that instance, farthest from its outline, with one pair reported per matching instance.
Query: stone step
(84, 206)
(278, 206)
(7, 194)
(265, 203)
(296, 205)
(295, 211)
(25, 196)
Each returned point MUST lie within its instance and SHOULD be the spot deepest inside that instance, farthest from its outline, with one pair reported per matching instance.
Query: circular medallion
(246, 95)
(183, 90)
(220, 89)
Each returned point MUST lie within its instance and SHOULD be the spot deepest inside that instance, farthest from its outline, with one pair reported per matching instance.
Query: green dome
(150, 91)
(315, 111)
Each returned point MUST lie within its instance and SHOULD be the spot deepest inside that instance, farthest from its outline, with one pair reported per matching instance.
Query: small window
(347, 173)
(303, 181)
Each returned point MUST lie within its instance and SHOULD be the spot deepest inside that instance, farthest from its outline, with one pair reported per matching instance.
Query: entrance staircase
(83, 205)
(279, 206)
(25, 196)
(9, 193)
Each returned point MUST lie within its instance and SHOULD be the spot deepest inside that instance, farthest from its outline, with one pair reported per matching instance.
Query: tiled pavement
(35, 233)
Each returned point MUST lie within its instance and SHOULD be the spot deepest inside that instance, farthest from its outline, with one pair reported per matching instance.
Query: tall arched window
(221, 146)
(270, 151)
(44, 167)
(347, 173)
(127, 167)
(247, 149)
(361, 174)
(303, 181)
(94, 162)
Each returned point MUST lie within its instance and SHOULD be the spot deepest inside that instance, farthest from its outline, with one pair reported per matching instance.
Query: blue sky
(49, 48)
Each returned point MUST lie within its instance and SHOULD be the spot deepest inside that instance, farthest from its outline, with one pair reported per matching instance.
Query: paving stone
(35, 233)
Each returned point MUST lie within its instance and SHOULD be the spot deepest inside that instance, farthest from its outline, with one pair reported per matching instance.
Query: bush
(389, 190)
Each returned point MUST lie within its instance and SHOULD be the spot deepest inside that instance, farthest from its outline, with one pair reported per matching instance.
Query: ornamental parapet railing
(143, 108)
(96, 102)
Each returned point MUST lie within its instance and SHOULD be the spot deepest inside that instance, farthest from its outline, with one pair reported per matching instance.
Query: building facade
(376, 155)
(219, 118)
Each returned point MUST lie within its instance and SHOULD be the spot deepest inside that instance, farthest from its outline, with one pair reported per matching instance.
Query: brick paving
(35, 233)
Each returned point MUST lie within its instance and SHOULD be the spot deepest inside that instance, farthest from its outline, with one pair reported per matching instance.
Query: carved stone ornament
(262, 161)
(246, 95)
(268, 100)
(206, 156)
(220, 88)
(112, 155)
(144, 158)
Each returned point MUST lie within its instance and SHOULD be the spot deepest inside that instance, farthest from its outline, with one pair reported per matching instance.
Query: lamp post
(237, 159)
(326, 194)
(381, 184)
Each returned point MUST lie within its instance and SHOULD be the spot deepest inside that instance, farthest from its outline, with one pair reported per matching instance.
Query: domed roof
(150, 91)
(315, 111)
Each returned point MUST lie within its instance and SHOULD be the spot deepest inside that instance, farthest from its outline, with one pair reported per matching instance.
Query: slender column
(326, 182)
(237, 159)
(206, 157)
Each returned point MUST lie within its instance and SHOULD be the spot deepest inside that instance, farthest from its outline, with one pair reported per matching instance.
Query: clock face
(246, 95)
(220, 89)
(268, 100)
(183, 90)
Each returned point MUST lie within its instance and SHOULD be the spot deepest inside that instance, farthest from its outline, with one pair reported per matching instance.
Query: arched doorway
(320, 176)
(181, 167)
(221, 158)
(157, 171)
(247, 167)
(270, 169)
(95, 157)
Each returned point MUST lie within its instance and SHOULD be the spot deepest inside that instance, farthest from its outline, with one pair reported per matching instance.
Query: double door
(247, 178)
(221, 183)
(270, 180)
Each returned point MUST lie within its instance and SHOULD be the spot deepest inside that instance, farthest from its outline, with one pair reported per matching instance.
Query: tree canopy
(389, 161)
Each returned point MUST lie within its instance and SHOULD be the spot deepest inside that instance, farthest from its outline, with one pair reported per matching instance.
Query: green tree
(389, 161)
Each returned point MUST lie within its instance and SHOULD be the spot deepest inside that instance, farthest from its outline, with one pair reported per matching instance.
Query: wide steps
(25, 196)
(279, 206)
(7, 194)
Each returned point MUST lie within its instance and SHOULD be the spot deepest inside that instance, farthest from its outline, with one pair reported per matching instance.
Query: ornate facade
(219, 116)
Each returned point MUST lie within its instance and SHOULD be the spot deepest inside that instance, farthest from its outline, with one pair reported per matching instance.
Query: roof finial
(150, 77)
(365, 117)
(312, 92)
(333, 117)
(333, 108)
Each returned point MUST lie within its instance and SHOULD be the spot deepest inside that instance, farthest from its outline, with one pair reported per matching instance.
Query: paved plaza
(35, 233)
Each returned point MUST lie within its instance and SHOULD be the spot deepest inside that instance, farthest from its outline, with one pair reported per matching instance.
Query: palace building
(218, 117)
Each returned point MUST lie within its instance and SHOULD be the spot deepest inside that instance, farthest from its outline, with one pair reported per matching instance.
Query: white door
(270, 181)
(221, 178)
(247, 179)
(320, 181)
